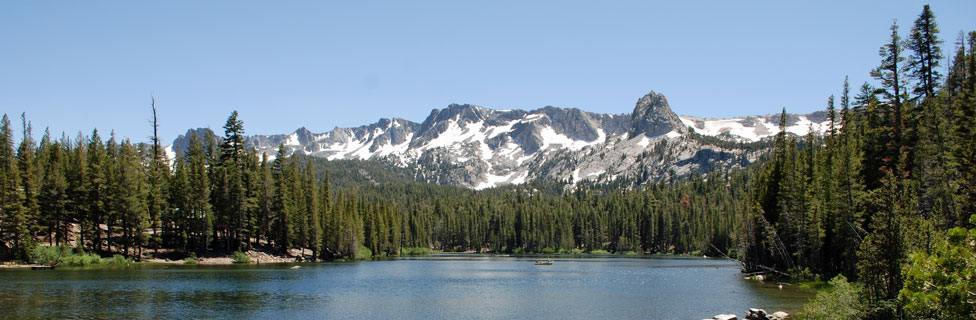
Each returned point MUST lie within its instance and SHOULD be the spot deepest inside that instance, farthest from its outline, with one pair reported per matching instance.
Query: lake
(435, 287)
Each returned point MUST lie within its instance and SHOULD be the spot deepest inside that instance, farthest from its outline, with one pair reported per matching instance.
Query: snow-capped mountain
(477, 147)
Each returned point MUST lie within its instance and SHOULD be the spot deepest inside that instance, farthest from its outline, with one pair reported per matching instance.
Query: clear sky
(78, 65)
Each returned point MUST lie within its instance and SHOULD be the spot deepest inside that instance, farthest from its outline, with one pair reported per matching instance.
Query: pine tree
(846, 225)
(176, 221)
(926, 53)
(312, 200)
(964, 129)
(266, 197)
(158, 172)
(30, 183)
(882, 254)
(326, 215)
(890, 74)
(283, 205)
(128, 202)
(54, 196)
(77, 173)
(230, 198)
(199, 188)
(12, 214)
(97, 187)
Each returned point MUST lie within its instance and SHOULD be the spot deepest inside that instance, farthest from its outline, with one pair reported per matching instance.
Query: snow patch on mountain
(753, 128)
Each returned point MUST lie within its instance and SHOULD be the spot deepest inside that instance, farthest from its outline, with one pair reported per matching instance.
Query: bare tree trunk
(156, 154)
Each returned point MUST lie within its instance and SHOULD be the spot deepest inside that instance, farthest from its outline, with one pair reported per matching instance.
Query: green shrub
(803, 274)
(49, 255)
(190, 260)
(363, 253)
(599, 251)
(240, 257)
(840, 302)
(82, 259)
(117, 260)
(415, 251)
(940, 284)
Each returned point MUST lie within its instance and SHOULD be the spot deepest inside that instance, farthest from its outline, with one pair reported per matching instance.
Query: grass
(814, 285)
(190, 260)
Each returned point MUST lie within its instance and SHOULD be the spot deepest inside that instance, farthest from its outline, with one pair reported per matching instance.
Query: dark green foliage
(926, 53)
(25, 221)
(13, 226)
(883, 251)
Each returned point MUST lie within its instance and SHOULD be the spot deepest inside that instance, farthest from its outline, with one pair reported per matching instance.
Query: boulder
(725, 317)
(756, 314)
(779, 315)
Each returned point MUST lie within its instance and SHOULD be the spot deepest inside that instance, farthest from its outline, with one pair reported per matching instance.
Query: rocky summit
(477, 147)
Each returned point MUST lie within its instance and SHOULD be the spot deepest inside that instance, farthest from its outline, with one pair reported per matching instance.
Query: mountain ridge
(476, 147)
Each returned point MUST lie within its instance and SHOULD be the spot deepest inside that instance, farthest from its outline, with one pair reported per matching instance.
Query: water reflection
(432, 287)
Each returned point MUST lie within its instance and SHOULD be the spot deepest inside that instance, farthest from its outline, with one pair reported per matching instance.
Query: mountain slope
(477, 147)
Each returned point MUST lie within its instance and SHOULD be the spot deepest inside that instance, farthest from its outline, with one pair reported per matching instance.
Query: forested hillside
(886, 197)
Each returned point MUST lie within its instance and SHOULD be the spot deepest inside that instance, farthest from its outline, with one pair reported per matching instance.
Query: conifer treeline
(120, 197)
(219, 197)
(893, 173)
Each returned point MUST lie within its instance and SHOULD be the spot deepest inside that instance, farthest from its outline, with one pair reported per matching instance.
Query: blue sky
(79, 65)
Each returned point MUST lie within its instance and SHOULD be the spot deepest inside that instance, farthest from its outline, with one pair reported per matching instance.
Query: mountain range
(477, 147)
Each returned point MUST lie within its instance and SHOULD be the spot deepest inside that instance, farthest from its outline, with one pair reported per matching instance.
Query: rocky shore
(754, 314)
(256, 256)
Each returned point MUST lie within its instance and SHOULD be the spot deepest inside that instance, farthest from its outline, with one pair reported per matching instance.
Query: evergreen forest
(884, 202)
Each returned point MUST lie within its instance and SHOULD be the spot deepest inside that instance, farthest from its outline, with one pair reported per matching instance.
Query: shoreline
(262, 257)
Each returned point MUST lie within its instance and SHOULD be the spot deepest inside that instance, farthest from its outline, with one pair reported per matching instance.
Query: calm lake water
(437, 287)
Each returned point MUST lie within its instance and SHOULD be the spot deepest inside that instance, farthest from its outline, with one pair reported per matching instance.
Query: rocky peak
(653, 117)
(182, 143)
(304, 136)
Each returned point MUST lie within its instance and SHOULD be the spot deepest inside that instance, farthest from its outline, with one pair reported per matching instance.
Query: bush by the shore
(240, 257)
(363, 253)
(65, 256)
(415, 251)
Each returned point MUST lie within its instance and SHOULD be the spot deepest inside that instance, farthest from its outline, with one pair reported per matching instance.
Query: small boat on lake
(543, 262)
